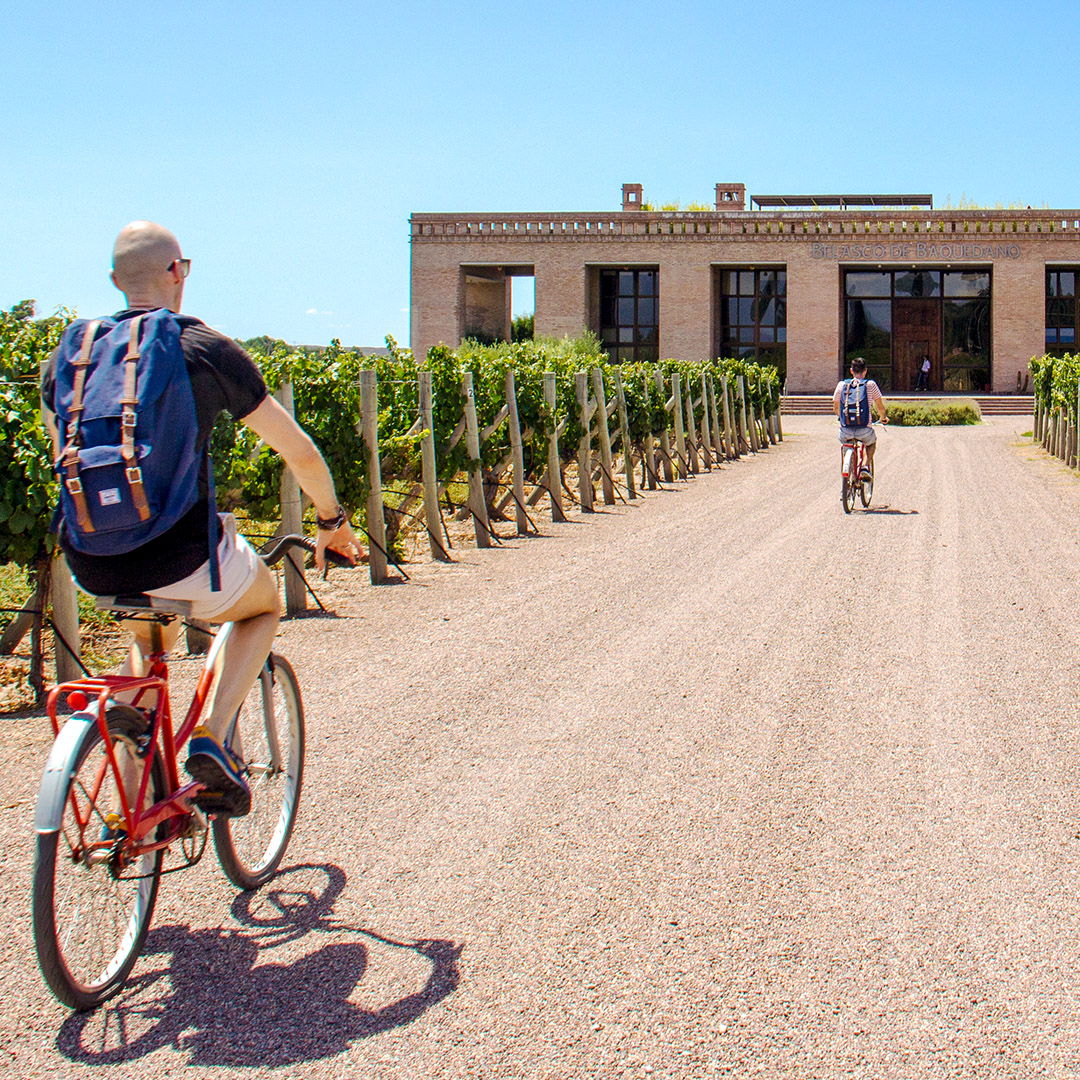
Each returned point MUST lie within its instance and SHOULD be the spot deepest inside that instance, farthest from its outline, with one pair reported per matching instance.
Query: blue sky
(286, 145)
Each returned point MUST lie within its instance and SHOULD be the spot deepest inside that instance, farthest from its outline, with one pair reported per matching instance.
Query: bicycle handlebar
(277, 548)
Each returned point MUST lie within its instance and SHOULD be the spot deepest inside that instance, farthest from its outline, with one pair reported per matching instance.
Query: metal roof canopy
(843, 202)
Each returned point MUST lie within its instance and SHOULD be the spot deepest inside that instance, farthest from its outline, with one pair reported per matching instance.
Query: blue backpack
(128, 467)
(855, 404)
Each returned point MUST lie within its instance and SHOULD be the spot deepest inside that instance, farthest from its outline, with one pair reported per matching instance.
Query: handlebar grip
(277, 548)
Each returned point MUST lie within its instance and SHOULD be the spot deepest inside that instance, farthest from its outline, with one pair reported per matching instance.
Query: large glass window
(869, 335)
(630, 314)
(752, 307)
(943, 314)
(965, 331)
(1061, 326)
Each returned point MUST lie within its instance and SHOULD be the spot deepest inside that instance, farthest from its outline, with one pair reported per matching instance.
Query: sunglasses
(184, 265)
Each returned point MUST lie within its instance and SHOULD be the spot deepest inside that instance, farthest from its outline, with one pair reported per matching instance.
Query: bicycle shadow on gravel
(217, 996)
(884, 510)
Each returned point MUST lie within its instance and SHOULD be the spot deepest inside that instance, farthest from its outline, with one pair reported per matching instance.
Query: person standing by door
(924, 375)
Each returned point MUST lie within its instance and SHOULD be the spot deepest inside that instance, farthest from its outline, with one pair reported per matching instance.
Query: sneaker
(222, 772)
(866, 475)
(112, 830)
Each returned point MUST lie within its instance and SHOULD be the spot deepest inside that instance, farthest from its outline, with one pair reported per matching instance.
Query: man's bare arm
(281, 432)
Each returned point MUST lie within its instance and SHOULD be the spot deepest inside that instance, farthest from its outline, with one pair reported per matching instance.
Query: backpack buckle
(128, 418)
(74, 485)
(133, 474)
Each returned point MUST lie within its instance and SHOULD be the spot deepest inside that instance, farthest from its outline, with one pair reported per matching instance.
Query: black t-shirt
(223, 378)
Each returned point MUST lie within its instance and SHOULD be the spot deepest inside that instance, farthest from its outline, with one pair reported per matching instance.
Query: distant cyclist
(853, 402)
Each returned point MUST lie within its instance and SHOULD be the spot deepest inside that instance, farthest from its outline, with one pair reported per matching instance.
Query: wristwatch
(331, 523)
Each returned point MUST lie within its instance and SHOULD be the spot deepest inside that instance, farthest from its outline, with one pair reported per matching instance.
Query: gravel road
(723, 782)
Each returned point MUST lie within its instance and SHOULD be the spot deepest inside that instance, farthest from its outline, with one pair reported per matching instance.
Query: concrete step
(989, 404)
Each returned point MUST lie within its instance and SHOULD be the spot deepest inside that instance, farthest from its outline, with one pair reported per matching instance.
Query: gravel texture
(723, 782)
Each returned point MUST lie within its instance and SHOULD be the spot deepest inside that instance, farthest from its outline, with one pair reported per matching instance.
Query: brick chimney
(631, 196)
(730, 196)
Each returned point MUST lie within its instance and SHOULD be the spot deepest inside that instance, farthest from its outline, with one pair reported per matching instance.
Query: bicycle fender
(59, 768)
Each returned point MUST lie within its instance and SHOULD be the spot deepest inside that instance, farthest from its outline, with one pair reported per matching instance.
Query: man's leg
(218, 767)
(255, 621)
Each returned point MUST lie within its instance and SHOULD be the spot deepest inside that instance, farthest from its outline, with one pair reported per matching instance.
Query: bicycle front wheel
(91, 906)
(866, 491)
(268, 735)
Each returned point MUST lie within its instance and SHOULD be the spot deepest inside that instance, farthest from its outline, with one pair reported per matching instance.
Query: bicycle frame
(852, 463)
(177, 803)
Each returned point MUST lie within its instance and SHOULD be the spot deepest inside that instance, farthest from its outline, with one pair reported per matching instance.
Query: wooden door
(916, 334)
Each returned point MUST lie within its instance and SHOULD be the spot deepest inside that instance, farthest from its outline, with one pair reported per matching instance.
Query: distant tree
(521, 329)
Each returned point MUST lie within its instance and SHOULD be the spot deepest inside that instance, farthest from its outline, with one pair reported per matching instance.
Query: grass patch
(934, 413)
(14, 591)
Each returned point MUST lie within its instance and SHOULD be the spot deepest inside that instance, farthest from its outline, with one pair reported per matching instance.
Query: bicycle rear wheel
(866, 491)
(268, 734)
(847, 492)
(91, 912)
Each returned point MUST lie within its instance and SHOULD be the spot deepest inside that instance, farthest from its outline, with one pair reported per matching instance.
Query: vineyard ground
(722, 783)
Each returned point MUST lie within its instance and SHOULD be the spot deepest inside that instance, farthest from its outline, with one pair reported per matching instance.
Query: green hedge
(933, 413)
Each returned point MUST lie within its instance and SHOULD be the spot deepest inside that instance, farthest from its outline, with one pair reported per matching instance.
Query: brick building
(805, 282)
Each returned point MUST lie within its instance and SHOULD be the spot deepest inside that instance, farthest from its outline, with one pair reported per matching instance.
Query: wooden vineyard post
(36, 675)
(1074, 440)
(706, 434)
(554, 469)
(624, 434)
(718, 442)
(650, 442)
(477, 503)
(688, 401)
(585, 488)
(369, 434)
(65, 608)
(731, 434)
(432, 518)
(607, 479)
(766, 417)
(758, 411)
(665, 437)
(518, 455)
(746, 432)
(292, 520)
(680, 439)
(759, 416)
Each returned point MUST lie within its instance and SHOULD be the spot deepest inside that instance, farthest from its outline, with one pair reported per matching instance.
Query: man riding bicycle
(228, 583)
(853, 400)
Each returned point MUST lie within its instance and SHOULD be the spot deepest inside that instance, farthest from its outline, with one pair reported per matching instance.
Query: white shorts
(239, 564)
(866, 435)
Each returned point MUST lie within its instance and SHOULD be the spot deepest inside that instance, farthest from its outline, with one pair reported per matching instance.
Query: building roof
(843, 201)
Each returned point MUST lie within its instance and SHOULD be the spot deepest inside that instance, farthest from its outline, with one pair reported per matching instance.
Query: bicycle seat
(140, 602)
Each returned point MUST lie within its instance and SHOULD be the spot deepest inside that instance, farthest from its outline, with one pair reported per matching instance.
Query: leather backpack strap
(70, 455)
(128, 419)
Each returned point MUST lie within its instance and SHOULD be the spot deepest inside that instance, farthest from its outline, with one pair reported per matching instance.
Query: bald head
(143, 266)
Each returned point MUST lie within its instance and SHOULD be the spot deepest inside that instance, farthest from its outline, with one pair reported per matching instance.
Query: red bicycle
(112, 806)
(855, 474)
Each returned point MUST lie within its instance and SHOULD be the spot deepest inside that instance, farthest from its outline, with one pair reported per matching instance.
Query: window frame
(637, 348)
(743, 338)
